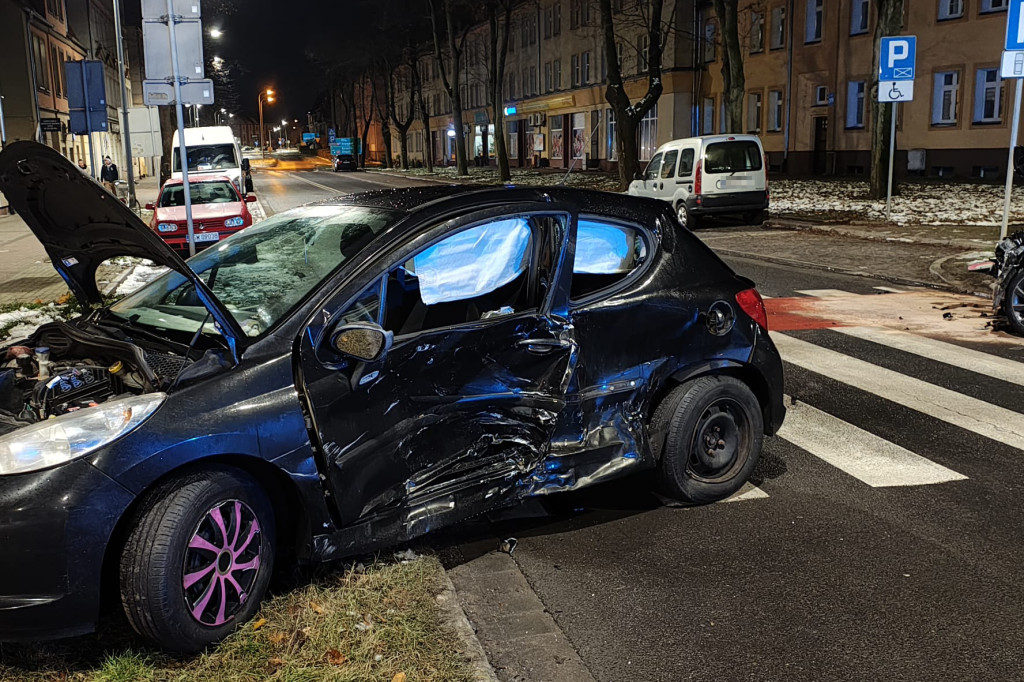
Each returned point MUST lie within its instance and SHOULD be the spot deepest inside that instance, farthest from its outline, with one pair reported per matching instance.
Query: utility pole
(126, 132)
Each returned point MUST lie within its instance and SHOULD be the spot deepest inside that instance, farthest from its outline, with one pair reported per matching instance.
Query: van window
(206, 157)
(653, 168)
(668, 165)
(732, 157)
(686, 163)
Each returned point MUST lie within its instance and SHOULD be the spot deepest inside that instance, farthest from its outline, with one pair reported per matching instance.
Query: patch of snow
(141, 274)
(26, 320)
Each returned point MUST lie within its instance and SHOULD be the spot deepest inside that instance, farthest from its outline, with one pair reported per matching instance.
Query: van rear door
(733, 166)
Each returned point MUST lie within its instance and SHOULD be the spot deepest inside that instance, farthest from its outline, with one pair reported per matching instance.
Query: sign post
(1013, 69)
(896, 70)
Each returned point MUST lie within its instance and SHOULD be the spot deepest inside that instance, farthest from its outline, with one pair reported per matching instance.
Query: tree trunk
(451, 85)
(732, 63)
(628, 115)
(428, 156)
(890, 18)
(367, 116)
(499, 50)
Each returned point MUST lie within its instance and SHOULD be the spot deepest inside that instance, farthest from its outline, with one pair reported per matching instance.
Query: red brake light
(696, 179)
(751, 303)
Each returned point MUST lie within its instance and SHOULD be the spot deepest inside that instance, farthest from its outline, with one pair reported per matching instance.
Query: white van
(211, 150)
(712, 175)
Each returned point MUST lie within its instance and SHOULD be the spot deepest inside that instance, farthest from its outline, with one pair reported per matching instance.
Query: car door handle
(542, 345)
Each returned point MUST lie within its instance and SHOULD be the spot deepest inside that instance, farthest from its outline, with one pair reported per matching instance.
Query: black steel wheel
(714, 432)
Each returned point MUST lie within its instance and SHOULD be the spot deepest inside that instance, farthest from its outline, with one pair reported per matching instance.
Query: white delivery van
(712, 175)
(211, 150)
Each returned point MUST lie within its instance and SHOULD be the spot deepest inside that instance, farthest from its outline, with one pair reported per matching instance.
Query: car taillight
(751, 303)
(696, 180)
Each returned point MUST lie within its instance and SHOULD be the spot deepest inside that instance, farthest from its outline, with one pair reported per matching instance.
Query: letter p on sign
(899, 50)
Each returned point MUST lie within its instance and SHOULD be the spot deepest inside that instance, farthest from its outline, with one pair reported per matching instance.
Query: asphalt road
(882, 537)
(280, 190)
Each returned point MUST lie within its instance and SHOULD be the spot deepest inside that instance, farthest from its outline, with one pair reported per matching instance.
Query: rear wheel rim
(720, 442)
(681, 214)
(222, 562)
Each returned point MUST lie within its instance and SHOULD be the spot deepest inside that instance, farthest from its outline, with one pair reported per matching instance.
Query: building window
(708, 117)
(557, 136)
(511, 87)
(649, 133)
(709, 42)
(585, 68)
(533, 80)
(613, 149)
(951, 9)
(775, 113)
(944, 97)
(524, 33)
(993, 5)
(855, 104)
(549, 20)
(859, 13)
(754, 112)
(574, 64)
(547, 77)
(778, 36)
(533, 31)
(756, 32)
(643, 45)
(556, 74)
(988, 96)
(42, 63)
(557, 18)
(58, 67)
(821, 95)
(723, 124)
(526, 83)
(513, 139)
(812, 24)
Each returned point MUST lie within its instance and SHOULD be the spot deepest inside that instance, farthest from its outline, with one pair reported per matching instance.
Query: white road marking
(749, 491)
(826, 293)
(298, 176)
(861, 454)
(940, 351)
(991, 421)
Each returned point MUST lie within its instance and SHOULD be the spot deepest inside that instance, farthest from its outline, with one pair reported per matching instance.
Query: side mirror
(246, 165)
(249, 198)
(362, 341)
(151, 206)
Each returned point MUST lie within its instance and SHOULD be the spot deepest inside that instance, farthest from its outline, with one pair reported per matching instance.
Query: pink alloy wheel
(221, 563)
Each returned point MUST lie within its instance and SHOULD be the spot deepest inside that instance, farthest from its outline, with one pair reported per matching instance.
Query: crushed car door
(461, 407)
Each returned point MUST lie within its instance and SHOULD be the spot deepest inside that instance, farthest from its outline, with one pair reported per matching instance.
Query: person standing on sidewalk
(108, 175)
(82, 167)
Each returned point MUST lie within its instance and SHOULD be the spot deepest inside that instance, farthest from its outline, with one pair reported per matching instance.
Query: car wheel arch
(293, 532)
(746, 373)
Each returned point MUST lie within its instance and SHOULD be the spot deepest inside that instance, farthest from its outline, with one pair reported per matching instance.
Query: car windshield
(207, 157)
(259, 274)
(735, 156)
(219, 192)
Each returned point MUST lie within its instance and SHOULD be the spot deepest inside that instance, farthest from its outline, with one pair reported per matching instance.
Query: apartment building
(807, 66)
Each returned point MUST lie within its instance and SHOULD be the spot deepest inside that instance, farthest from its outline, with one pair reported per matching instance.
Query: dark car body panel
(452, 422)
(732, 202)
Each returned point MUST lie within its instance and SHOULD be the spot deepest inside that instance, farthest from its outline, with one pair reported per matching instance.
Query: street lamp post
(269, 94)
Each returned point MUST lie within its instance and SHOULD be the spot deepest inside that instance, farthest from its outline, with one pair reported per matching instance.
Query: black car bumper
(734, 202)
(54, 530)
(768, 361)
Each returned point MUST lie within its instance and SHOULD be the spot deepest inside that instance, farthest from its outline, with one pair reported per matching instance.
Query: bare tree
(501, 26)
(366, 104)
(425, 119)
(627, 114)
(402, 124)
(890, 20)
(734, 83)
(450, 77)
(380, 104)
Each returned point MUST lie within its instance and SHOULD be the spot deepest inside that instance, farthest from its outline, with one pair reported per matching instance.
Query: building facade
(807, 66)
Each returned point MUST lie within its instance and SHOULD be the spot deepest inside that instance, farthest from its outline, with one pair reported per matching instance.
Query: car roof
(194, 179)
(707, 139)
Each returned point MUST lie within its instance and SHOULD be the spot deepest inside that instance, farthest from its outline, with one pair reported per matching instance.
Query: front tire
(1013, 303)
(714, 435)
(198, 560)
(686, 219)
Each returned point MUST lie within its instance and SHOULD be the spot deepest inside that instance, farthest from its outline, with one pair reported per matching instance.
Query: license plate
(207, 236)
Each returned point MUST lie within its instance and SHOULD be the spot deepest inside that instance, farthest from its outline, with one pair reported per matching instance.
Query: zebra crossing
(867, 457)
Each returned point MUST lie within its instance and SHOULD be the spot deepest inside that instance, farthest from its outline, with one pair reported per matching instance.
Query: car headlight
(70, 436)
(234, 222)
(167, 227)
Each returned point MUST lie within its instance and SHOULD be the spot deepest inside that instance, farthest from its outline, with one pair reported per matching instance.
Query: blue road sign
(1015, 26)
(87, 99)
(897, 58)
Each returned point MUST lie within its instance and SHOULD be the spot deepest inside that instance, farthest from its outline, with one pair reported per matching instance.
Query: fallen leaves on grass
(259, 623)
(335, 657)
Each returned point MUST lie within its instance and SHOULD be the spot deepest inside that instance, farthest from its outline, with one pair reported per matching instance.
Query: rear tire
(1013, 303)
(685, 217)
(198, 560)
(715, 431)
(755, 218)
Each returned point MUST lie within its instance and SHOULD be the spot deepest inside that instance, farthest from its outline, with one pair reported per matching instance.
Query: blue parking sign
(1015, 26)
(897, 58)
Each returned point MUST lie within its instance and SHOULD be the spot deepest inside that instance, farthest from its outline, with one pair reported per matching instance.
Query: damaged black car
(346, 376)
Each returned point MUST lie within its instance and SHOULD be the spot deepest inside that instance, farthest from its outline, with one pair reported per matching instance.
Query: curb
(456, 618)
(867, 235)
(947, 286)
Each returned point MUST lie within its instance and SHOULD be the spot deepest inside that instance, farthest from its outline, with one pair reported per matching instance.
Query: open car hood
(81, 225)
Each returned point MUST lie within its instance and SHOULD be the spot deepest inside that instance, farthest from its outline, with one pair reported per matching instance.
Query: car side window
(365, 308)
(605, 255)
(653, 168)
(668, 164)
(686, 163)
(479, 273)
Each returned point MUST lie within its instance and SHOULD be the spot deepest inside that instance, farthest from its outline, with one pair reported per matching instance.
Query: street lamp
(269, 95)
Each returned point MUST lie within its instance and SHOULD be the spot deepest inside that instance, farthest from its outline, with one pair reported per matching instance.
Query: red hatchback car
(218, 211)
